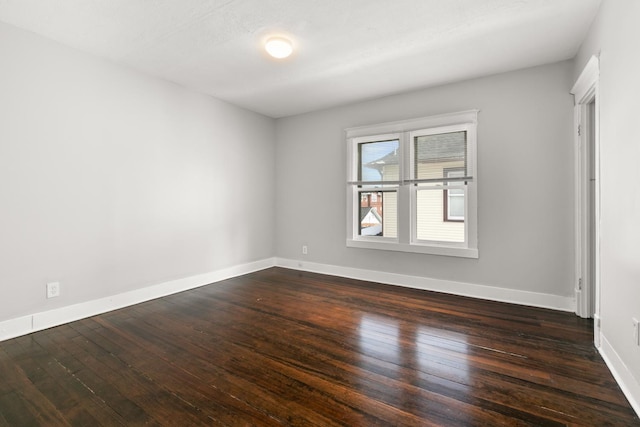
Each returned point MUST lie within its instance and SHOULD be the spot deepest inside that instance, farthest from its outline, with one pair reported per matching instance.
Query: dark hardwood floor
(280, 347)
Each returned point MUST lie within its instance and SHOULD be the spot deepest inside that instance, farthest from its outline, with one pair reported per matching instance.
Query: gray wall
(615, 35)
(112, 181)
(525, 170)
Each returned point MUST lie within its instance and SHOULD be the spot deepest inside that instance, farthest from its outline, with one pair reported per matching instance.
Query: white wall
(525, 170)
(615, 35)
(111, 181)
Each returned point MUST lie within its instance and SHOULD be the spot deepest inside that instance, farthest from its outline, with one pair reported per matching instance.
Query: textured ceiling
(346, 50)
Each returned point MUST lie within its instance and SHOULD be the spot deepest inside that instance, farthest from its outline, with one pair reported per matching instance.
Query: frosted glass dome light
(278, 47)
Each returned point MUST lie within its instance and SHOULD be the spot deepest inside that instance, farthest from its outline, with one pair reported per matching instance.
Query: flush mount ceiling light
(278, 47)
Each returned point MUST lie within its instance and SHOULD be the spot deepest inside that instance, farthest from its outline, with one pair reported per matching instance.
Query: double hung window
(412, 186)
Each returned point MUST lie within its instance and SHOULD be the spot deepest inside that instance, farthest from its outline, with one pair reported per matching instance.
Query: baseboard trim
(621, 373)
(15, 327)
(38, 321)
(492, 293)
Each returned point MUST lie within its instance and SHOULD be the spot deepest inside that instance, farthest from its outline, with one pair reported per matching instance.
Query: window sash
(438, 211)
(355, 218)
(381, 153)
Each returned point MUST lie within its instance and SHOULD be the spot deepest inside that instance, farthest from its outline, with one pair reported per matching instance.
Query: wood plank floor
(280, 347)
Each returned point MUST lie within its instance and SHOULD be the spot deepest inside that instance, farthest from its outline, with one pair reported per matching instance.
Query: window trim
(405, 240)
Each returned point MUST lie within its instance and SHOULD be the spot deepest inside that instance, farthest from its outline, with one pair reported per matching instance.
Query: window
(412, 186)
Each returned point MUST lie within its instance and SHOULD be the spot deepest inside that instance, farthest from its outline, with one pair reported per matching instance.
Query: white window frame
(406, 240)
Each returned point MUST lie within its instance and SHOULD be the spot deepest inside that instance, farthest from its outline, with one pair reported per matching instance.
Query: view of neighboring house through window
(412, 186)
(438, 157)
(378, 172)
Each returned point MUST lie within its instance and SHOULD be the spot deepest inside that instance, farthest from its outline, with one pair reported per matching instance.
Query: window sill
(421, 249)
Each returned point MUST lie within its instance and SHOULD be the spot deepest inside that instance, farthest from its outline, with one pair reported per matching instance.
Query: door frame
(586, 91)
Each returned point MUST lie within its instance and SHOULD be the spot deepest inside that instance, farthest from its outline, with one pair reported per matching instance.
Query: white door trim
(585, 91)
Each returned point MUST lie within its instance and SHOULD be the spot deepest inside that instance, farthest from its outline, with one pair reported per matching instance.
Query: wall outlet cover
(53, 289)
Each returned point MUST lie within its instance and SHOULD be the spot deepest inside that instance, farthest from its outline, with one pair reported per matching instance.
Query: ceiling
(345, 50)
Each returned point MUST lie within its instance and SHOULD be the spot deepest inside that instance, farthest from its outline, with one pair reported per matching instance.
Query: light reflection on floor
(431, 346)
(413, 354)
(378, 338)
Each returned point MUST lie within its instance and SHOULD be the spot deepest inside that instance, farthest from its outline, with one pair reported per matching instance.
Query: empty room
(319, 213)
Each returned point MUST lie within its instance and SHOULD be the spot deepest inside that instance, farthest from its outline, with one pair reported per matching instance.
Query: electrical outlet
(636, 332)
(304, 250)
(53, 289)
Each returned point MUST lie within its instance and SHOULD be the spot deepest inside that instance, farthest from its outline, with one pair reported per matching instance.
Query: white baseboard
(15, 327)
(38, 321)
(622, 374)
(493, 293)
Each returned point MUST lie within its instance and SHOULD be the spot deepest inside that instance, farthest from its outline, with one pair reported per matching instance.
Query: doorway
(587, 193)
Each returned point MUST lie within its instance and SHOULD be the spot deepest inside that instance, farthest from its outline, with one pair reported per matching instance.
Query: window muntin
(424, 184)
